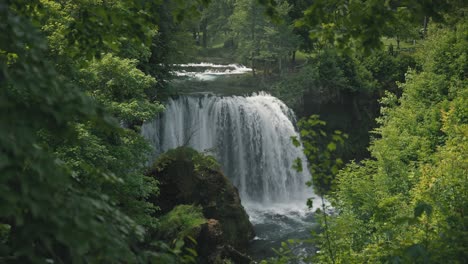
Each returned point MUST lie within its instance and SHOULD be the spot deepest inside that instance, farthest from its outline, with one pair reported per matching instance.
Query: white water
(209, 71)
(250, 137)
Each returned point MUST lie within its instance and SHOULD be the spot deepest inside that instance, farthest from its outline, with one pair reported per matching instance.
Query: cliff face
(188, 177)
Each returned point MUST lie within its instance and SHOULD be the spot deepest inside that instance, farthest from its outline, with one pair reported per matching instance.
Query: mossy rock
(181, 222)
(189, 177)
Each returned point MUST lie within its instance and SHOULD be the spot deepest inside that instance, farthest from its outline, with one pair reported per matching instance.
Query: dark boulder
(188, 177)
(213, 249)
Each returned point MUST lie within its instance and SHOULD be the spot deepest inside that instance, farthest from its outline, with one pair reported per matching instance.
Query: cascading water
(209, 71)
(250, 137)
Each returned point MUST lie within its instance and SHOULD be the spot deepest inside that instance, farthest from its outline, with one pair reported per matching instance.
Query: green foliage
(362, 24)
(83, 29)
(406, 204)
(343, 90)
(72, 186)
(284, 254)
(77, 78)
(319, 148)
(181, 222)
(49, 217)
(259, 40)
(326, 77)
(388, 69)
(121, 87)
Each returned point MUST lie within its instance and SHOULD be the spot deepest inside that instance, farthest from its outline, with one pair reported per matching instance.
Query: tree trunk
(425, 26)
(280, 66)
(204, 25)
(327, 232)
(253, 65)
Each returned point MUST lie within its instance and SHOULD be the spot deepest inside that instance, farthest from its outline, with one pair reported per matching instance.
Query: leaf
(331, 146)
(192, 252)
(193, 240)
(179, 244)
(297, 165)
(295, 141)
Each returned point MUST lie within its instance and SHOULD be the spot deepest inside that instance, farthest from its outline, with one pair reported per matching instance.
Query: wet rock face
(211, 233)
(188, 177)
(213, 249)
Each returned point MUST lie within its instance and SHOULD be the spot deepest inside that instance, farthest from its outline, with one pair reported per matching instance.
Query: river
(250, 135)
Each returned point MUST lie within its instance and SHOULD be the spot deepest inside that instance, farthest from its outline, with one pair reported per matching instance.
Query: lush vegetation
(78, 78)
(407, 202)
(73, 94)
(419, 132)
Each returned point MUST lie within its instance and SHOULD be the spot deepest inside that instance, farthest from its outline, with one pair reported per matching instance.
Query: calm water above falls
(250, 137)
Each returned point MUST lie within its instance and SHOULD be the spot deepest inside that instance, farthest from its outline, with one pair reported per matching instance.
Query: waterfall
(249, 136)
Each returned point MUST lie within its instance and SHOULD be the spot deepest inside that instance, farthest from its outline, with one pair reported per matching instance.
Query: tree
(72, 98)
(216, 17)
(295, 14)
(406, 203)
(392, 207)
(323, 165)
(46, 215)
(262, 41)
(362, 24)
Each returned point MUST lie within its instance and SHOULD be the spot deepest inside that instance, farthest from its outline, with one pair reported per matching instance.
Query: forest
(233, 131)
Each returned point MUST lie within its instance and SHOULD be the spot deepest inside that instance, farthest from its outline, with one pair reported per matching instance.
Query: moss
(201, 161)
(181, 222)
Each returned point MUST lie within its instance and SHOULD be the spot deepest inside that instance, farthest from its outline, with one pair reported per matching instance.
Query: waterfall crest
(249, 136)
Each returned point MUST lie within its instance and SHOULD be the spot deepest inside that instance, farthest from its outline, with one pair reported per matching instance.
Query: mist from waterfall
(249, 136)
